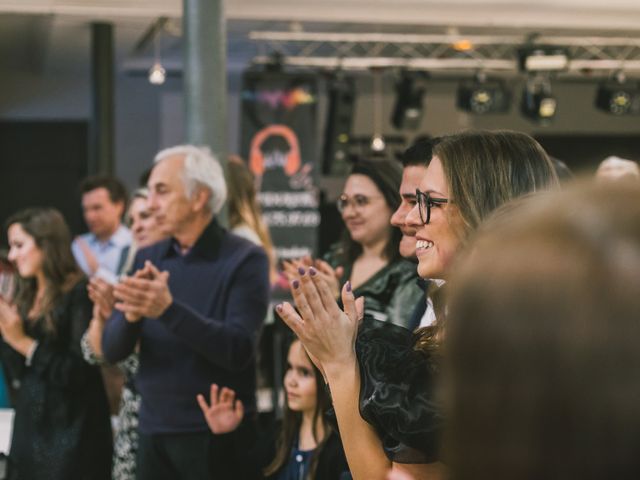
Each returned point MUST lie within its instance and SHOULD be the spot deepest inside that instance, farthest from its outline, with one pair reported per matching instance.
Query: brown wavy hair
(52, 236)
(484, 170)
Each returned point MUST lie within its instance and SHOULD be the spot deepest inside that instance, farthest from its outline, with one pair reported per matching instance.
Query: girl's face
(300, 380)
(365, 211)
(24, 252)
(438, 241)
(143, 224)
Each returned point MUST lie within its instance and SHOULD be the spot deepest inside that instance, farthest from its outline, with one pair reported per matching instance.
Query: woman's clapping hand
(327, 332)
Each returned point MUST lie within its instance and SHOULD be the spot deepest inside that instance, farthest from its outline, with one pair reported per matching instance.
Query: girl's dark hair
(291, 427)
(387, 176)
(51, 235)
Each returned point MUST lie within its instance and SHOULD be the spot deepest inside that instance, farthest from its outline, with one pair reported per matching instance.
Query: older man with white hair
(194, 304)
(615, 168)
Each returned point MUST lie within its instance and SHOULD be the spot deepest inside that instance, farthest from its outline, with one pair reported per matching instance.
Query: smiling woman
(382, 379)
(369, 254)
(61, 427)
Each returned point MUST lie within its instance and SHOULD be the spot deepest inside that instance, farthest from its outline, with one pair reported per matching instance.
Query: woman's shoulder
(245, 231)
(334, 256)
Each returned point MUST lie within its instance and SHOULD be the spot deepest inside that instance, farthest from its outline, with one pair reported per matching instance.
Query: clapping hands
(144, 294)
(327, 332)
(331, 276)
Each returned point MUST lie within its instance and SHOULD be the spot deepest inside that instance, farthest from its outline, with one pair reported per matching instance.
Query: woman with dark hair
(368, 254)
(542, 361)
(382, 380)
(61, 428)
(307, 446)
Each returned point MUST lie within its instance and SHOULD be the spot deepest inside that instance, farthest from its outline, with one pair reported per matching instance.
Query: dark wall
(583, 153)
(41, 164)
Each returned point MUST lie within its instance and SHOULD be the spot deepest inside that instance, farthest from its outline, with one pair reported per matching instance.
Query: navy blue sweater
(220, 292)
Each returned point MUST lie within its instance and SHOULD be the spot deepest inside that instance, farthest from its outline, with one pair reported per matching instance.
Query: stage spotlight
(542, 58)
(538, 103)
(481, 96)
(407, 112)
(617, 98)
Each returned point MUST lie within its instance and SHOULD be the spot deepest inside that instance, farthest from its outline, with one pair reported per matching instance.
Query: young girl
(307, 447)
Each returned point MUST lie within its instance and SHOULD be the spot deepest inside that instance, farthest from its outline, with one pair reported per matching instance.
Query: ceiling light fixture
(543, 58)
(617, 97)
(378, 144)
(538, 103)
(482, 96)
(157, 73)
(410, 90)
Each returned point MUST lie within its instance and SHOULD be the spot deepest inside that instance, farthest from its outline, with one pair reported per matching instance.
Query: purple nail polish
(301, 271)
(348, 286)
(295, 284)
(312, 271)
(279, 308)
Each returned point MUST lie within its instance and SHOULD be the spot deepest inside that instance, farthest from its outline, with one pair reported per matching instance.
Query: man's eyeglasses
(357, 201)
(425, 202)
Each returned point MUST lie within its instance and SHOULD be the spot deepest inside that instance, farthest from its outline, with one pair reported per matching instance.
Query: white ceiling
(39, 35)
(612, 14)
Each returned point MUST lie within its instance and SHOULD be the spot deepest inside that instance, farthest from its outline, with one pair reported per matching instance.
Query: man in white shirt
(107, 243)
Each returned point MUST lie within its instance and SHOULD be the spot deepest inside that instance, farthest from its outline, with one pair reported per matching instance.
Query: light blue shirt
(108, 253)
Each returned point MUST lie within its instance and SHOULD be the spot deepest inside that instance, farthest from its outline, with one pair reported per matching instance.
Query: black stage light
(481, 96)
(618, 98)
(342, 97)
(538, 103)
(408, 110)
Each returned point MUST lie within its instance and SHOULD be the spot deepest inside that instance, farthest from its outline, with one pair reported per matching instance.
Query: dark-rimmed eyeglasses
(425, 201)
(356, 201)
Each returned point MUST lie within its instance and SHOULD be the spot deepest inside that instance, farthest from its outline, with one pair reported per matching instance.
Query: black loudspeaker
(342, 98)
(409, 107)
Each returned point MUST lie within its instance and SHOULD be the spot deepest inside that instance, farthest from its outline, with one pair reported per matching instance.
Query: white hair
(201, 169)
(616, 167)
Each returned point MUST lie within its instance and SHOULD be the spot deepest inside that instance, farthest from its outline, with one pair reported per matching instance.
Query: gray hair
(201, 169)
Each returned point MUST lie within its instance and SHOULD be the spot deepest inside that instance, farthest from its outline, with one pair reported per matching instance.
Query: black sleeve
(397, 395)
(59, 361)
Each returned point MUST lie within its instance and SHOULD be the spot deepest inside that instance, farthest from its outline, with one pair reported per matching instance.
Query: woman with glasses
(368, 254)
(145, 232)
(383, 380)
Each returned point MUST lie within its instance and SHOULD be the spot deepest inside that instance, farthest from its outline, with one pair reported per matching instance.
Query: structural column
(205, 74)
(101, 128)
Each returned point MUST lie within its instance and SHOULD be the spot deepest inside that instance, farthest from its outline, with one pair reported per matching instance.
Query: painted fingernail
(295, 284)
(348, 286)
(312, 271)
(279, 308)
(301, 271)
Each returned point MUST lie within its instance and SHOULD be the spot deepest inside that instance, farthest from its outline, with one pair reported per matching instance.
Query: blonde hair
(244, 208)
